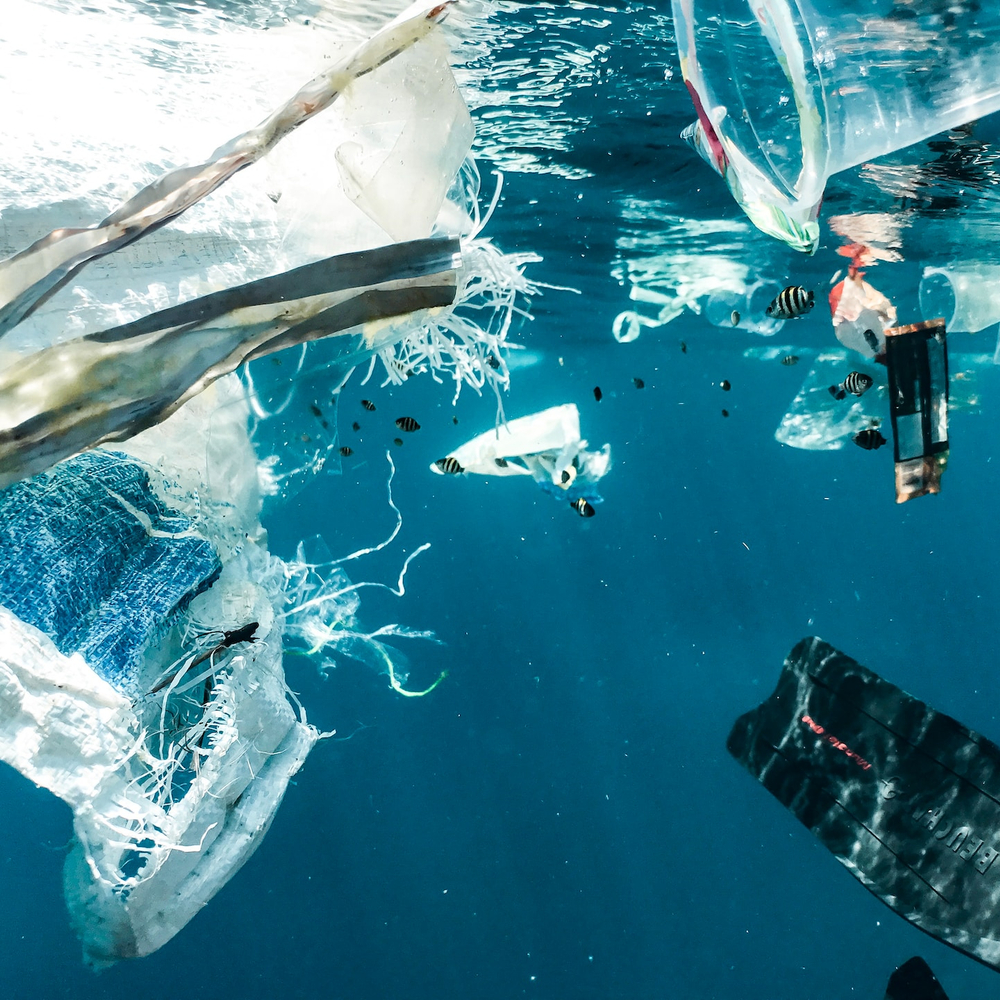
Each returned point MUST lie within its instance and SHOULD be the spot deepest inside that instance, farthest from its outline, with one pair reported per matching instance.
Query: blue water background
(560, 818)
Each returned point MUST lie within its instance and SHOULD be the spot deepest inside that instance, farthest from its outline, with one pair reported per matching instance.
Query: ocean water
(560, 817)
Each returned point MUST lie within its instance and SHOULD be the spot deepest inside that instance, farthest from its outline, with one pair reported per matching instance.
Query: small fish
(493, 362)
(790, 359)
(792, 302)
(725, 385)
(345, 450)
(355, 426)
(454, 420)
(407, 424)
(501, 463)
(368, 405)
(734, 318)
(725, 413)
(316, 411)
(582, 508)
(856, 383)
(871, 340)
(638, 383)
(449, 465)
(398, 442)
(684, 348)
(598, 395)
(869, 439)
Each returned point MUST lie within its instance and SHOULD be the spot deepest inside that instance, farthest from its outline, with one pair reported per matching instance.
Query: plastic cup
(967, 297)
(789, 92)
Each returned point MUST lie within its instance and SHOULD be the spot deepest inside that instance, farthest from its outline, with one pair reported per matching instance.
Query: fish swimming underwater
(368, 405)
(790, 359)
(582, 507)
(407, 424)
(792, 302)
(856, 383)
(870, 439)
(450, 466)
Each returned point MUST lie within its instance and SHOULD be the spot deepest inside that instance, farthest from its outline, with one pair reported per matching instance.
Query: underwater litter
(143, 618)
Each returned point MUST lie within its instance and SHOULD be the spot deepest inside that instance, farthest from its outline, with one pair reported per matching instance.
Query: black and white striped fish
(582, 507)
(407, 424)
(792, 302)
(870, 439)
(856, 383)
(450, 466)
(368, 405)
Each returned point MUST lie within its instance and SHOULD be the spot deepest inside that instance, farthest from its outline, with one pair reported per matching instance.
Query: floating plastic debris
(546, 446)
(793, 94)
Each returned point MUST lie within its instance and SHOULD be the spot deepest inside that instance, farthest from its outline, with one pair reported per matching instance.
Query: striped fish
(407, 424)
(792, 302)
(346, 450)
(582, 508)
(368, 404)
(790, 359)
(450, 466)
(869, 439)
(856, 383)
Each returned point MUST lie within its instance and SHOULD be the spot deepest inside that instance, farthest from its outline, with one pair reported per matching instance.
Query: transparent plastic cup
(788, 92)
(968, 297)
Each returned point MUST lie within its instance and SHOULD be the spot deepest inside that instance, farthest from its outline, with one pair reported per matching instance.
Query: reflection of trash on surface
(917, 359)
(860, 314)
(546, 446)
(874, 774)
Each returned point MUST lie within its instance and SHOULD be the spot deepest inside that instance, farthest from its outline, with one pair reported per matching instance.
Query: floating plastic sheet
(904, 796)
(546, 446)
(815, 420)
(917, 358)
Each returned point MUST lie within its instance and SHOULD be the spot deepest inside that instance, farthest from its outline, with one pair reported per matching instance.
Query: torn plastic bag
(546, 446)
(111, 385)
(857, 308)
(112, 569)
(904, 796)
